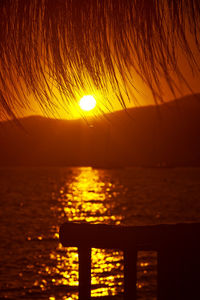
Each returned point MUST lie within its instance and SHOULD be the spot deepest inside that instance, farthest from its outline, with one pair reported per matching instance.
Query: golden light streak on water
(88, 199)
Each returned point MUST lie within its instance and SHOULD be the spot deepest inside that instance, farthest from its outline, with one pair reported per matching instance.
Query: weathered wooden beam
(168, 274)
(179, 263)
(178, 250)
(121, 237)
(84, 254)
(130, 273)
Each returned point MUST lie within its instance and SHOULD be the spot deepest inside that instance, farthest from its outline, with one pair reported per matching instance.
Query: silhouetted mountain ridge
(164, 135)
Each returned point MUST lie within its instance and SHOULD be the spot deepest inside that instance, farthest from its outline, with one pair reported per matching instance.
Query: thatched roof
(73, 44)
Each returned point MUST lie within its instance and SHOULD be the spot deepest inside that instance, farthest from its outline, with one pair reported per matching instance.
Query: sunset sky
(50, 64)
(140, 97)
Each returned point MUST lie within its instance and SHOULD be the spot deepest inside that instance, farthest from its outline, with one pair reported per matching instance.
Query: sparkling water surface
(34, 202)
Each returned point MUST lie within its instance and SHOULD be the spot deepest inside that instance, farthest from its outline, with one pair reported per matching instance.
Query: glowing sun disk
(87, 103)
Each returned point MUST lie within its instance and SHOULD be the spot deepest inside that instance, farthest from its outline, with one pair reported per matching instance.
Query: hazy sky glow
(139, 94)
(140, 97)
(108, 49)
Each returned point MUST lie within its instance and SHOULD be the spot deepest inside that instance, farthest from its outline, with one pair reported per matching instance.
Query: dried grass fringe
(73, 44)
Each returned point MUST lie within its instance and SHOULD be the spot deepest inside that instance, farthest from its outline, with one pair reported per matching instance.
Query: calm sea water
(35, 201)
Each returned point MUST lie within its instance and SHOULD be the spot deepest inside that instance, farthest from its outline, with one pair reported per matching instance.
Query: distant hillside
(166, 135)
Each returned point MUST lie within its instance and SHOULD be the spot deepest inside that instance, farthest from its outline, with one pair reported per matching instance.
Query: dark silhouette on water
(178, 249)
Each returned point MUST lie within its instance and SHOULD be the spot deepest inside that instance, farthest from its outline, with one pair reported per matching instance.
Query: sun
(87, 103)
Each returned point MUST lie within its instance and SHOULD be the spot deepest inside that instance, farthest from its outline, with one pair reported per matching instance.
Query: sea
(34, 202)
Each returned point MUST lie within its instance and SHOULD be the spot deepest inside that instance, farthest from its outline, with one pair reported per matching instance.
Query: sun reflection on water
(88, 199)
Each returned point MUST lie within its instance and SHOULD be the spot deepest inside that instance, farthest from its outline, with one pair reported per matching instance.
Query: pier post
(84, 253)
(130, 274)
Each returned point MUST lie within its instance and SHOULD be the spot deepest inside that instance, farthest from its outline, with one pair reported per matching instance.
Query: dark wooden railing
(177, 247)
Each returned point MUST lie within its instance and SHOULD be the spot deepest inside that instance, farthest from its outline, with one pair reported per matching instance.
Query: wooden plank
(84, 253)
(178, 255)
(119, 237)
(179, 263)
(169, 273)
(130, 273)
(190, 272)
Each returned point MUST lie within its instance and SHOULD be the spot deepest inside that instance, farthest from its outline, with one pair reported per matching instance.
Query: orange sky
(142, 96)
